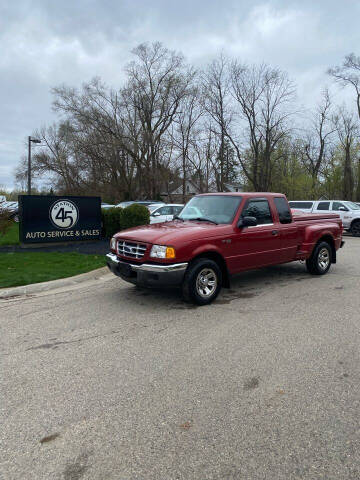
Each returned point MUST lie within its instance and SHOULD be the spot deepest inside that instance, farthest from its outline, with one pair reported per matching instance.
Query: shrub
(116, 219)
(134, 216)
(111, 221)
(5, 222)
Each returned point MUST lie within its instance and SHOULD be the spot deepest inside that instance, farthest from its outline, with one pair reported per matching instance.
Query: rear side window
(323, 206)
(176, 210)
(164, 210)
(283, 210)
(301, 204)
(259, 209)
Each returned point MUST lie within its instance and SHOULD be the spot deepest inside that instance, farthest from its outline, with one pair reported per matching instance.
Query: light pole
(30, 140)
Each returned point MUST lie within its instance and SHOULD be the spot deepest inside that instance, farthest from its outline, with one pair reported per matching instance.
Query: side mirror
(247, 222)
(343, 209)
(156, 214)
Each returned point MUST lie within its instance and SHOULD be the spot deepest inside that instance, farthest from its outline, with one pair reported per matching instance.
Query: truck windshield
(212, 208)
(352, 205)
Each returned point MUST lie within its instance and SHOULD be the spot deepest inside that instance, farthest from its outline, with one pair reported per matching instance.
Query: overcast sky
(45, 43)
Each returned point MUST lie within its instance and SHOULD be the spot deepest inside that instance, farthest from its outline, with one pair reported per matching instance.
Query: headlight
(162, 251)
(113, 243)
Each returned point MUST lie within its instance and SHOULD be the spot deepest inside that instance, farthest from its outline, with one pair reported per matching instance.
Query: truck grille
(131, 249)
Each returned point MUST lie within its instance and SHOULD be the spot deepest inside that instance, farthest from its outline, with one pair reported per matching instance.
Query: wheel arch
(330, 240)
(219, 259)
(356, 220)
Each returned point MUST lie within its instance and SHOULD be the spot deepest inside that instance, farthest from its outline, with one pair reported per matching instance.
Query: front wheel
(202, 281)
(320, 260)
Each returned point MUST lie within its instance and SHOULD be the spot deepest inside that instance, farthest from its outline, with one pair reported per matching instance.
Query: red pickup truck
(218, 235)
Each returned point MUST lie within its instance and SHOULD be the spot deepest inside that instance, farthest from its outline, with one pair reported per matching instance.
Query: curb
(6, 293)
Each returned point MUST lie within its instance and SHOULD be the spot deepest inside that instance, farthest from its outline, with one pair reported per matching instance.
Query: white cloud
(47, 43)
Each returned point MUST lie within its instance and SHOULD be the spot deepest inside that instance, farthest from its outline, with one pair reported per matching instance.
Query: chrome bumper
(147, 274)
(148, 267)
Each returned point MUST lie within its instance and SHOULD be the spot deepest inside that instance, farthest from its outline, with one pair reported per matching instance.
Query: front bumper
(147, 274)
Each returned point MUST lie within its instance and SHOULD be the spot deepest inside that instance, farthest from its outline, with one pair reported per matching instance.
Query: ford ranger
(218, 235)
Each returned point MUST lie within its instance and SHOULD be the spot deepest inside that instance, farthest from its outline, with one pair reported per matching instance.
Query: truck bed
(301, 216)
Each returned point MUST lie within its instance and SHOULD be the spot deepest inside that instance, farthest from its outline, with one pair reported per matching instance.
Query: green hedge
(135, 215)
(116, 219)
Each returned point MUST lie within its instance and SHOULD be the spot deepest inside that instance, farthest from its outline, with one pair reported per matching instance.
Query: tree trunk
(358, 182)
(348, 176)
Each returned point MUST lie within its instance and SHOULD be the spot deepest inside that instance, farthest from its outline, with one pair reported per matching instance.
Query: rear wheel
(355, 228)
(202, 281)
(320, 260)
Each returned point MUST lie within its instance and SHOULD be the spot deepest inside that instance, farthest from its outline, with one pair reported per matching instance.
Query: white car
(349, 211)
(165, 213)
(12, 209)
(154, 206)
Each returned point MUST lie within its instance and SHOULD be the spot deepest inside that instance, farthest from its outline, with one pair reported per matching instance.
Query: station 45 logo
(64, 214)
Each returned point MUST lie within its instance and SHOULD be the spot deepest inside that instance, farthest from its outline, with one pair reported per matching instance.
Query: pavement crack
(68, 342)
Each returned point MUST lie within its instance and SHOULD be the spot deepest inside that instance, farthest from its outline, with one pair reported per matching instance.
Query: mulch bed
(99, 247)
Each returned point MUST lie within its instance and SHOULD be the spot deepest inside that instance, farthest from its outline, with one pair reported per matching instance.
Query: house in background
(192, 188)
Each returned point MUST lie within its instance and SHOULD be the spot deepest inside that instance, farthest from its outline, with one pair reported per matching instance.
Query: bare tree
(217, 102)
(158, 82)
(263, 96)
(348, 74)
(99, 139)
(318, 137)
(347, 130)
(186, 134)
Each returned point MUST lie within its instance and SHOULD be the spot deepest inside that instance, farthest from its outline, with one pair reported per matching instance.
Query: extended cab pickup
(219, 235)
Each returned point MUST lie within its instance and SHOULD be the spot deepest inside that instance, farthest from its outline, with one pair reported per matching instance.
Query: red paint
(242, 248)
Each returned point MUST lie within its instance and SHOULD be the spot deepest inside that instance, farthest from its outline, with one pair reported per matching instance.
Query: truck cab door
(343, 211)
(259, 245)
(289, 231)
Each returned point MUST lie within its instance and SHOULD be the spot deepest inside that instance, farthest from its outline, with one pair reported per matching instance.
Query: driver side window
(259, 209)
(337, 206)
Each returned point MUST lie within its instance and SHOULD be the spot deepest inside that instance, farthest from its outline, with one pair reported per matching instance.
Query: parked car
(165, 213)
(12, 208)
(219, 235)
(138, 202)
(105, 206)
(153, 206)
(349, 211)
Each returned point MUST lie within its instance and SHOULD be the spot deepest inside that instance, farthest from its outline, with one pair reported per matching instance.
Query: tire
(320, 260)
(355, 228)
(202, 282)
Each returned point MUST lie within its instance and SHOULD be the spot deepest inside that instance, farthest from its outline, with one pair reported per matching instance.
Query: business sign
(49, 219)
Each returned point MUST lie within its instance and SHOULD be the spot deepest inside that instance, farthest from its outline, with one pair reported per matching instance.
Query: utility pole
(29, 165)
(33, 140)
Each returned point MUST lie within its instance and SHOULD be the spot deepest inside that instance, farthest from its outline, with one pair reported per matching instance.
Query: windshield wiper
(203, 219)
(176, 217)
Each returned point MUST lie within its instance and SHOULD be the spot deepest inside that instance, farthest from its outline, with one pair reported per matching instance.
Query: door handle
(274, 232)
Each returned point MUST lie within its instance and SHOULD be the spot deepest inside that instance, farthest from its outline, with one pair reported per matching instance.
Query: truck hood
(168, 233)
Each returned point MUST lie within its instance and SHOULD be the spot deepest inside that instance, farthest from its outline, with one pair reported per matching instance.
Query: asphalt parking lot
(106, 381)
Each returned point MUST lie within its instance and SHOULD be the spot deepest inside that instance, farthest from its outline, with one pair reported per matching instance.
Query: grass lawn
(11, 237)
(34, 267)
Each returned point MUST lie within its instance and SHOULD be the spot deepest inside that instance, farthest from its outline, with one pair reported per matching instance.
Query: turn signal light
(170, 252)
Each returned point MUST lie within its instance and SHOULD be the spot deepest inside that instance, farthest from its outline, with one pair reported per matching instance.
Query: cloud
(48, 43)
